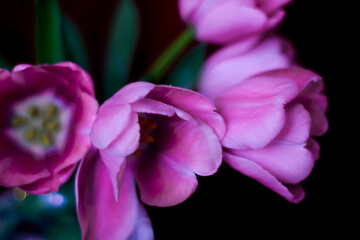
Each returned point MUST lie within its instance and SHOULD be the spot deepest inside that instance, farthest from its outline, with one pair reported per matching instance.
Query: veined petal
(293, 193)
(100, 216)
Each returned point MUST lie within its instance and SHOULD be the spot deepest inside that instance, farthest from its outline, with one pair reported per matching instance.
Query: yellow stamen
(51, 125)
(145, 138)
(51, 110)
(149, 125)
(46, 140)
(34, 111)
(30, 134)
(18, 121)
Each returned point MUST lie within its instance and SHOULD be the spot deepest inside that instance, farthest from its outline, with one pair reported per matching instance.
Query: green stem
(48, 32)
(167, 58)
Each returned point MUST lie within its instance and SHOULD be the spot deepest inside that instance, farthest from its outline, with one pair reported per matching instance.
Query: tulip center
(146, 126)
(40, 123)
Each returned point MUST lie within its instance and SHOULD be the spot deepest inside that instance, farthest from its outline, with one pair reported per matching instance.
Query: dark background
(228, 205)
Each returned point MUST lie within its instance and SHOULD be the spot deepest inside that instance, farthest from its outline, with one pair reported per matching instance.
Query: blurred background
(226, 205)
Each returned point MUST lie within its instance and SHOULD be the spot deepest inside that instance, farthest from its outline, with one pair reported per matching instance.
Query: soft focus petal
(253, 111)
(100, 216)
(188, 7)
(199, 149)
(162, 182)
(293, 193)
(112, 119)
(143, 228)
(288, 163)
(222, 74)
(228, 22)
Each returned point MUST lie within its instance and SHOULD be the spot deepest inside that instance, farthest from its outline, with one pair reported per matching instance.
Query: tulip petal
(193, 103)
(143, 228)
(270, 6)
(228, 22)
(161, 181)
(297, 126)
(293, 193)
(188, 7)
(132, 92)
(112, 119)
(199, 149)
(288, 163)
(222, 74)
(253, 111)
(100, 216)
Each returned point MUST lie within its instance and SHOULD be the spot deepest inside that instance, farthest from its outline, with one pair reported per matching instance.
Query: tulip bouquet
(248, 104)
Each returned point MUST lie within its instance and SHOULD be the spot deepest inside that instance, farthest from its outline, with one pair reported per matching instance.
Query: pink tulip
(234, 63)
(165, 134)
(100, 216)
(47, 113)
(225, 21)
(271, 119)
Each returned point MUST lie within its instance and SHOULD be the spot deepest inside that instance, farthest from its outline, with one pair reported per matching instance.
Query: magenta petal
(253, 111)
(110, 122)
(228, 22)
(288, 163)
(199, 149)
(271, 5)
(297, 126)
(188, 7)
(293, 193)
(152, 107)
(100, 216)
(193, 103)
(162, 182)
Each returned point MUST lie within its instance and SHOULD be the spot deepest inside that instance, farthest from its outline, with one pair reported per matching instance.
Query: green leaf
(4, 63)
(121, 47)
(74, 46)
(186, 73)
(48, 39)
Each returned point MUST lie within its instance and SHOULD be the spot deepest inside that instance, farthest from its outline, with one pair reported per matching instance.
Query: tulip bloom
(47, 113)
(271, 119)
(234, 63)
(166, 135)
(100, 216)
(225, 21)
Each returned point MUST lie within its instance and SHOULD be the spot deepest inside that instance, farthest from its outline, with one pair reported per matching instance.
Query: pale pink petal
(199, 149)
(163, 182)
(112, 119)
(275, 19)
(100, 216)
(253, 111)
(193, 103)
(288, 163)
(228, 22)
(297, 126)
(314, 148)
(132, 93)
(151, 106)
(293, 193)
(21, 67)
(223, 73)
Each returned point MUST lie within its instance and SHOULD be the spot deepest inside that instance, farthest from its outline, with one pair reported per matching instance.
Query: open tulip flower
(47, 113)
(271, 119)
(226, 21)
(165, 134)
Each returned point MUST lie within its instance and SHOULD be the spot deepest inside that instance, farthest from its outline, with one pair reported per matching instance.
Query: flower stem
(167, 58)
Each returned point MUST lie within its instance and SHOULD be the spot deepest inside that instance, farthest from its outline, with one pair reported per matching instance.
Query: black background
(228, 205)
